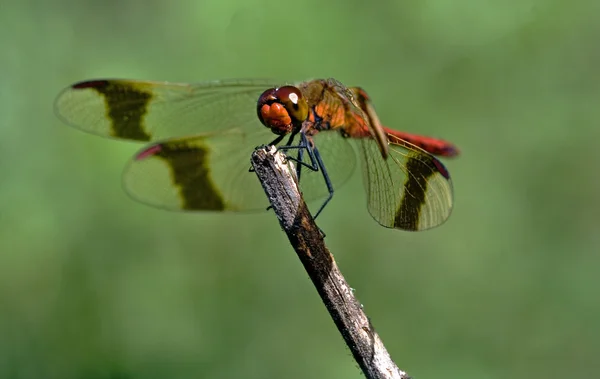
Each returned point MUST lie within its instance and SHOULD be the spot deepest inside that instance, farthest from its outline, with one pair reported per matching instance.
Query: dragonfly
(199, 138)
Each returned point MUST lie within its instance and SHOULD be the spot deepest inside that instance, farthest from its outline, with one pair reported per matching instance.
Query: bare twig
(281, 188)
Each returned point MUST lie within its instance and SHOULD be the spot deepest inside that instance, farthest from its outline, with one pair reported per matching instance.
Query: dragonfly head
(282, 109)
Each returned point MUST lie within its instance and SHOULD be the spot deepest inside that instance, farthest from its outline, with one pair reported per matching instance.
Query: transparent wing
(204, 172)
(409, 190)
(210, 172)
(151, 111)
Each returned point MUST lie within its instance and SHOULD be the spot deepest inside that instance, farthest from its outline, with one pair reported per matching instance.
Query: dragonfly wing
(210, 171)
(207, 172)
(410, 190)
(152, 111)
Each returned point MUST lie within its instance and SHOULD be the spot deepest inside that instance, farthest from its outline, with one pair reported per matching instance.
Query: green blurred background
(95, 285)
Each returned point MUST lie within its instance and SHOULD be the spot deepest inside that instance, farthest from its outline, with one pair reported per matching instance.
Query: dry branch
(281, 188)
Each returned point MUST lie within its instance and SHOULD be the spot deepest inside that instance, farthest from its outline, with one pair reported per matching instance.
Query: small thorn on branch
(280, 185)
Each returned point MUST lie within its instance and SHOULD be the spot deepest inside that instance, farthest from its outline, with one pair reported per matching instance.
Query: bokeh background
(95, 285)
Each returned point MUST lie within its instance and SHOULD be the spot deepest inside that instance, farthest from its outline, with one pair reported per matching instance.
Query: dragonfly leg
(279, 139)
(303, 146)
(316, 164)
(325, 177)
(299, 167)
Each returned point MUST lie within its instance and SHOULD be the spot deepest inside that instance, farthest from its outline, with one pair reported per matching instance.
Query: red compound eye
(281, 109)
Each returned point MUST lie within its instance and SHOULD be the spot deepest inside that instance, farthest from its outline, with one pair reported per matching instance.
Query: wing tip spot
(148, 152)
(441, 168)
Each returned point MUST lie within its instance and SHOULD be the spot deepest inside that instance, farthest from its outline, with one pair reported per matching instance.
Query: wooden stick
(280, 185)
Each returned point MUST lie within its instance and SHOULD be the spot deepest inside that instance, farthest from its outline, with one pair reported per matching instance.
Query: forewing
(410, 190)
(151, 111)
(207, 172)
(210, 172)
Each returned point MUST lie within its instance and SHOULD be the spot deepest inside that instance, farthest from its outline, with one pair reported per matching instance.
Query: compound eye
(294, 102)
(281, 109)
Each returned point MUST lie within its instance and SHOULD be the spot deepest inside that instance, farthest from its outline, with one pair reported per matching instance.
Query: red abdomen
(431, 145)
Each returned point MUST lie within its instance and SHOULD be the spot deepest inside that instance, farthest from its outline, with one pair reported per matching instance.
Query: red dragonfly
(203, 135)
